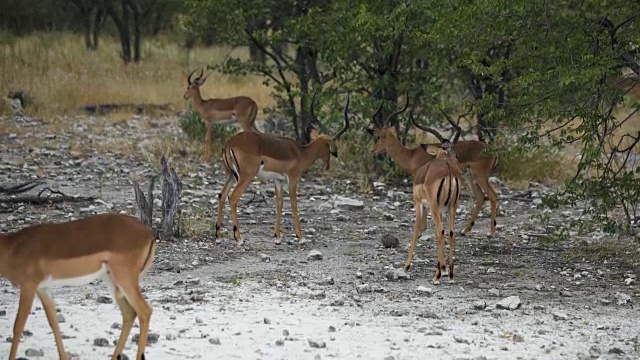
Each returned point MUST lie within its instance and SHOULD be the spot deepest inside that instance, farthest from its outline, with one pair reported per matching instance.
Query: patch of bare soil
(516, 295)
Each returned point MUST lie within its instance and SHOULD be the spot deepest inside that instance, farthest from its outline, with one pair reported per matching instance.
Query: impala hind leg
(50, 310)
(441, 266)
(233, 201)
(128, 284)
(417, 230)
(493, 200)
(222, 198)
(452, 239)
(478, 197)
(128, 317)
(279, 205)
(27, 294)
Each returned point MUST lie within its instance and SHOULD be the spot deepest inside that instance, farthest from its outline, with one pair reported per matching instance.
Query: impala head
(384, 136)
(329, 142)
(447, 146)
(194, 85)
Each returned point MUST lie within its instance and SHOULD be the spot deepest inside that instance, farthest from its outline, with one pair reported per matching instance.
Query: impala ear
(313, 133)
(432, 150)
(392, 130)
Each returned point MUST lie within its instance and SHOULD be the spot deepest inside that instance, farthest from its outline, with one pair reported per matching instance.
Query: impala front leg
(27, 294)
(50, 310)
(293, 184)
(207, 142)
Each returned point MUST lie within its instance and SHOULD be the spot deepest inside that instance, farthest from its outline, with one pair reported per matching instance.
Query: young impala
(475, 166)
(250, 154)
(436, 184)
(116, 248)
(239, 109)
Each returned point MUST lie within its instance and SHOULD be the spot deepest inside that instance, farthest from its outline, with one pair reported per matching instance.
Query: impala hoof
(436, 282)
(407, 267)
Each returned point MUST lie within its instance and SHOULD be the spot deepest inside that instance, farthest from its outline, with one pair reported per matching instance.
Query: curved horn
(406, 105)
(190, 75)
(427, 129)
(376, 113)
(346, 120)
(457, 129)
(201, 74)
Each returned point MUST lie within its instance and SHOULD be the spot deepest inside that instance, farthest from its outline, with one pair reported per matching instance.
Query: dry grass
(60, 74)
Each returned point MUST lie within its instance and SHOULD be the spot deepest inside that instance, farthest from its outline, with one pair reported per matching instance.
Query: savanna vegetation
(552, 86)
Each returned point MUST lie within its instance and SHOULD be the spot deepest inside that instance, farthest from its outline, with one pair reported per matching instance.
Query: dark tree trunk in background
(127, 20)
(92, 14)
(255, 54)
(137, 41)
(302, 71)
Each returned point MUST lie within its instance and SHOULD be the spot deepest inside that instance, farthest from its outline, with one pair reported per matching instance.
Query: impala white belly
(229, 121)
(269, 175)
(76, 281)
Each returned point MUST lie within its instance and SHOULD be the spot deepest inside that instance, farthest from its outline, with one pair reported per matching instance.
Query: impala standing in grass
(239, 109)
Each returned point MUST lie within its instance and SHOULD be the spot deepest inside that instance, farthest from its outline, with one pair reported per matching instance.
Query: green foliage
(192, 125)
(534, 74)
(543, 164)
(195, 129)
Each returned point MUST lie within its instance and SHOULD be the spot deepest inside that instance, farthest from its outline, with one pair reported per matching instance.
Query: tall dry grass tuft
(60, 75)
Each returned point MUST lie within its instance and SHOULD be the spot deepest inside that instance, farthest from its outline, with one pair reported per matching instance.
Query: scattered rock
(517, 338)
(314, 255)
(389, 241)
(397, 274)
(341, 202)
(509, 303)
(332, 328)
(390, 357)
(423, 290)
(480, 305)
(317, 344)
(285, 332)
(560, 316)
(3, 312)
(461, 340)
(494, 292)
(104, 300)
(34, 352)
(388, 217)
(265, 257)
(199, 320)
(214, 341)
(170, 336)
(623, 299)
(152, 338)
(279, 342)
(364, 288)
(266, 321)
(61, 319)
(101, 342)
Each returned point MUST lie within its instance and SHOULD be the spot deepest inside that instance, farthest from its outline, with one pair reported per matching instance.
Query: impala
(250, 154)
(115, 248)
(437, 184)
(473, 164)
(239, 109)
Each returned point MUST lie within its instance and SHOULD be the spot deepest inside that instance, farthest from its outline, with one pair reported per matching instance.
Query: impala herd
(39, 257)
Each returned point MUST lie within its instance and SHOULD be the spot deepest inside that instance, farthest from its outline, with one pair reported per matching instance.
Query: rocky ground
(340, 295)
